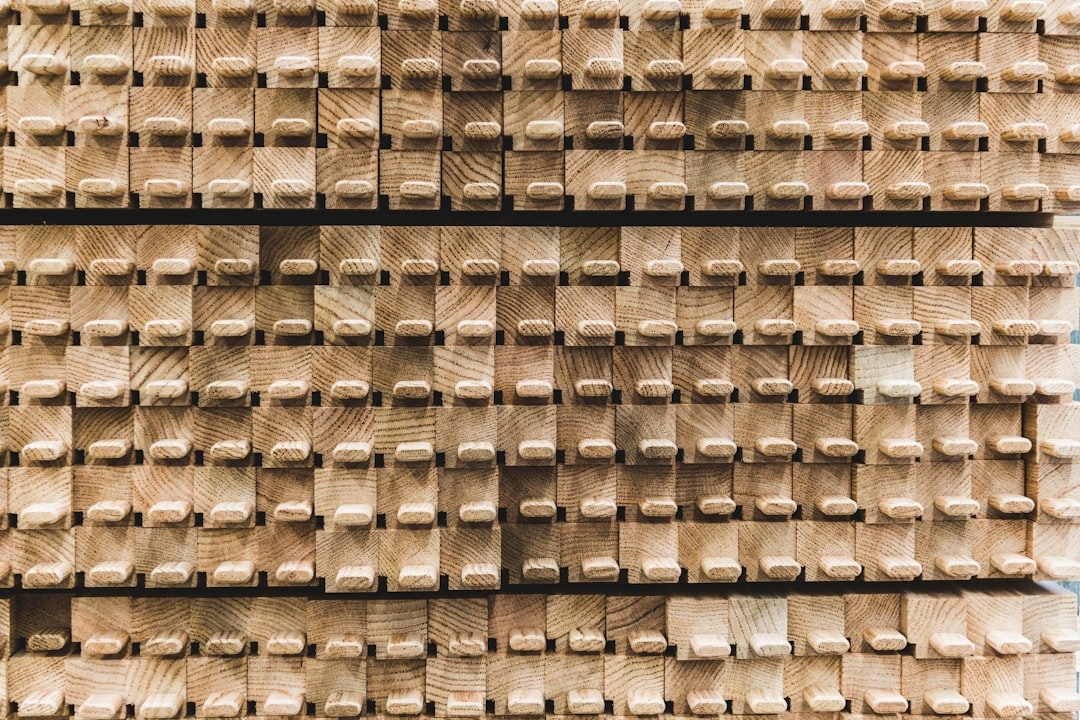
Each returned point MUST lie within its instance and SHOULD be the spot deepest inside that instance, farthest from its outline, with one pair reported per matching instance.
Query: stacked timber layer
(994, 653)
(365, 409)
(542, 105)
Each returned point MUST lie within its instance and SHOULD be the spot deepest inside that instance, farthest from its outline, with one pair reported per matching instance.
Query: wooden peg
(883, 701)
(172, 573)
(899, 508)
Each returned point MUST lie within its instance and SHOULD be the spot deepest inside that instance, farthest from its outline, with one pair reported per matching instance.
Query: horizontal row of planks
(292, 429)
(235, 105)
(986, 653)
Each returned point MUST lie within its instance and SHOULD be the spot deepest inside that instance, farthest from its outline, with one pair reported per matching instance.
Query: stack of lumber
(540, 105)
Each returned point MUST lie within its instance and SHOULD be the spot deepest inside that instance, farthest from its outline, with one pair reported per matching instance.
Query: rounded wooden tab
(38, 187)
(900, 508)
(903, 70)
(884, 639)
(476, 452)
(899, 267)
(169, 65)
(354, 515)
(898, 327)
(417, 9)
(1025, 71)
(1008, 705)
(658, 448)
(604, 130)
(472, 389)
(291, 451)
(715, 447)
(953, 446)
(535, 11)
(543, 69)
(661, 569)
(351, 452)
(101, 706)
(1011, 504)
(39, 125)
(944, 701)
(772, 387)
(956, 506)
(787, 68)
(836, 505)
(230, 450)
(607, 190)
(775, 505)
(535, 327)
(172, 573)
(667, 69)
(962, 10)
(355, 578)
(419, 267)
(43, 514)
(99, 187)
(415, 327)
(715, 327)
(42, 389)
(788, 191)
(543, 130)
(775, 327)
(596, 329)
(349, 327)
(884, 702)
(847, 129)
(839, 568)
(113, 449)
(288, 389)
(899, 388)
(475, 328)
(536, 450)
(1057, 567)
(584, 702)
(952, 645)
(292, 327)
(544, 191)
(958, 328)
(418, 190)
(713, 387)
(414, 452)
(844, 9)
(907, 129)
(846, 69)
(354, 189)
(1060, 699)
(170, 449)
(721, 569)
(900, 448)
(596, 449)
(833, 387)
(839, 328)
(537, 508)
(654, 388)
(357, 127)
(836, 447)
(44, 451)
(107, 511)
(597, 507)
(769, 645)
(847, 191)
(658, 507)
(827, 642)
(788, 129)
(416, 513)
(233, 572)
(43, 64)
